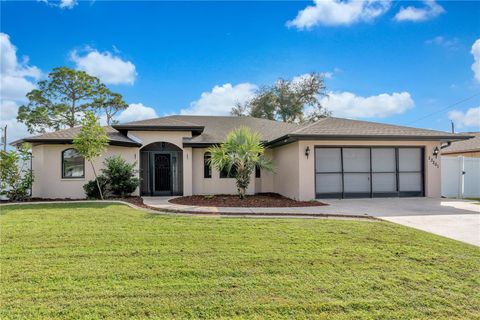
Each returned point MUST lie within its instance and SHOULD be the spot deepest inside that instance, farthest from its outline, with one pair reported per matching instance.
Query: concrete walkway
(455, 219)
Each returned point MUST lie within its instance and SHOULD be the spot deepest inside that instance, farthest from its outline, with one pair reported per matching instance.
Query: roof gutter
(448, 144)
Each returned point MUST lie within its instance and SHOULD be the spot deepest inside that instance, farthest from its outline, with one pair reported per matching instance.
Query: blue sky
(393, 62)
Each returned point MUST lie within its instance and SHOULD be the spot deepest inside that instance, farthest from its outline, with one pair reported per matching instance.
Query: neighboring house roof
(469, 145)
(207, 130)
(67, 135)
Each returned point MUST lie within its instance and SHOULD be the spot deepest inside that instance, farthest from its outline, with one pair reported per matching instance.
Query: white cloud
(221, 99)
(328, 75)
(443, 42)
(15, 129)
(67, 4)
(338, 12)
(430, 10)
(15, 76)
(9, 109)
(14, 88)
(471, 118)
(62, 4)
(8, 115)
(135, 112)
(16, 80)
(476, 59)
(104, 65)
(349, 105)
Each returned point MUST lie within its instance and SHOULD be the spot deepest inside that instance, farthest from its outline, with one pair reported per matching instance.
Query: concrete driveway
(455, 219)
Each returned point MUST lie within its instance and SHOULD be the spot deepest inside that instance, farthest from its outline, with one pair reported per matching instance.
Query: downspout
(449, 143)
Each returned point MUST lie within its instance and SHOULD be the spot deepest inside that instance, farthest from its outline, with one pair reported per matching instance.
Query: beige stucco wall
(294, 174)
(46, 165)
(215, 184)
(286, 178)
(306, 166)
(47, 170)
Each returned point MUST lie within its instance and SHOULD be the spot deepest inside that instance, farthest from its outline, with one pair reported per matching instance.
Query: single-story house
(468, 148)
(332, 157)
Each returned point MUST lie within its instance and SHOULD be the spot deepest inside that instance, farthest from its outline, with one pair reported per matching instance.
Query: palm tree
(239, 155)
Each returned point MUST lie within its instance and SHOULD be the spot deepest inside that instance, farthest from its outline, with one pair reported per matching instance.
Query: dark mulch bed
(264, 200)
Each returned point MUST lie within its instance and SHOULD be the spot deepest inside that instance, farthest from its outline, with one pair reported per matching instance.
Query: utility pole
(4, 138)
(453, 126)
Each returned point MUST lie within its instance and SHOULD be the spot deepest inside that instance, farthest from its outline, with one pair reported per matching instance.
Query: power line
(446, 108)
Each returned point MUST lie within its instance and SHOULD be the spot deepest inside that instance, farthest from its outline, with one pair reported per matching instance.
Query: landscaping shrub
(120, 175)
(16, 176)
(91, 188)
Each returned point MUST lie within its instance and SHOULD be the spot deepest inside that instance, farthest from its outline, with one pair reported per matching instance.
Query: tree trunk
(243, 180)
(96, 179)
(241, 193)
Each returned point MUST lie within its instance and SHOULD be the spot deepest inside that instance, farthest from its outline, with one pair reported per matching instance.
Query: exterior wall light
(307, 151)
(436, 151)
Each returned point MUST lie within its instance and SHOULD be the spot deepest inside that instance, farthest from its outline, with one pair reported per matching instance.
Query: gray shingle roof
(214, 129)
(169, 121)
(469, 145)
(67, 135)
(345, 127)
(218, 127)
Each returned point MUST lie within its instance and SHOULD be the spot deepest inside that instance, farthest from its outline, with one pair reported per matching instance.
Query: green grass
(92, 261)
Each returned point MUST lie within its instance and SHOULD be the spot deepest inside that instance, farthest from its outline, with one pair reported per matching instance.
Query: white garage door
(359, 172)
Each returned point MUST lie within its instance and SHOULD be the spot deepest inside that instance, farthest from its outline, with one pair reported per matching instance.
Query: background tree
(91, 142)
(61, 100)
(239, 155)
(109, 103)
(16, 177)
(286, 100)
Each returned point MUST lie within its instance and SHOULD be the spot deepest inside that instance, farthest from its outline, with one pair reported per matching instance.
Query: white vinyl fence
(461, 177)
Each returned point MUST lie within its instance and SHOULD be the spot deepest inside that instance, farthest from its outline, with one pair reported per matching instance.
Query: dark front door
(162, 179)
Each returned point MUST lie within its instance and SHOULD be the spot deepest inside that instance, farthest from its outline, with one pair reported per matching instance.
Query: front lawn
(91, 261)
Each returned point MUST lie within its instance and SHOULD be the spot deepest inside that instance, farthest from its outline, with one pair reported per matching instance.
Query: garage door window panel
(384, 172)
(410, 173)
(328, 172)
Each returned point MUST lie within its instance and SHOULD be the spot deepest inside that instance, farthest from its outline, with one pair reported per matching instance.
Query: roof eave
(196, 129)
(208, 144)
(288, 138)
(70, 141)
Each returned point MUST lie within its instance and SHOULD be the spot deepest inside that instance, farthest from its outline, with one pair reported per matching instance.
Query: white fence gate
(461, 177)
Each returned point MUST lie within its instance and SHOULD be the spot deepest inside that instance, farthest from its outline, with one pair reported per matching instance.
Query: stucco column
(187, 171)
(433, 172)
(306, 171)
(37, 165)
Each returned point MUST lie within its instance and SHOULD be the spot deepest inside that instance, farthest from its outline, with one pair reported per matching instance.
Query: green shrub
(120, 175)
(91, 188)
(16, 176)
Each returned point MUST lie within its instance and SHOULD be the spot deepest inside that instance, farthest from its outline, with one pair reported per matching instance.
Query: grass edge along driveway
(90, 261)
